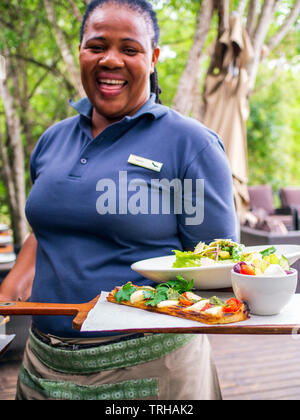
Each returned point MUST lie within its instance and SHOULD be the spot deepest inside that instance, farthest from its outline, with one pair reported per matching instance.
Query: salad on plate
(226, 251)
(220, 251)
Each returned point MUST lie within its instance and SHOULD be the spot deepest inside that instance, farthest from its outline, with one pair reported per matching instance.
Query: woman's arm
(17, 284)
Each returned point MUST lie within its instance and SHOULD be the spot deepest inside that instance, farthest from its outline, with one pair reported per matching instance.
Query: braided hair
(145, 9)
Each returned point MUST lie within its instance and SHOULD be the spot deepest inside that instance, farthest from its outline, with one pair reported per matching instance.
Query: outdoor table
(260, 325)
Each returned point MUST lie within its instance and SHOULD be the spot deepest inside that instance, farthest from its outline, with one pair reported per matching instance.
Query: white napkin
(107, 316)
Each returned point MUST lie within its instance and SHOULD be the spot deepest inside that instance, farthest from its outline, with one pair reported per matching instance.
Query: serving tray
(256, 325)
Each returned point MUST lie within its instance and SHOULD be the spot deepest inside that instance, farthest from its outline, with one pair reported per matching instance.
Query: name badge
(145, 163)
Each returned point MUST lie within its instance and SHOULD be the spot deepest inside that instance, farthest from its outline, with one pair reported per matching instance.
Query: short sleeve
(37, 151)
(33, 165)
(208, 203)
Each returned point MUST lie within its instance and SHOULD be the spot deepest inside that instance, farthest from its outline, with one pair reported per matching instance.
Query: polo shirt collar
(84, 108)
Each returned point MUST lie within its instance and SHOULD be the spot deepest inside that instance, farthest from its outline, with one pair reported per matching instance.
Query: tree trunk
(65, 51)
(17, 165)
(184, 95)
(8, 177)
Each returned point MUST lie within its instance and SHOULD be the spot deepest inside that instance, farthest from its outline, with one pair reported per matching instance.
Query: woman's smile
(110, 85)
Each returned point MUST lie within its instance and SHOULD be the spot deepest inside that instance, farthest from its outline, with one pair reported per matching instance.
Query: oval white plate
(7, 258)
(6, 239)
(213, 277)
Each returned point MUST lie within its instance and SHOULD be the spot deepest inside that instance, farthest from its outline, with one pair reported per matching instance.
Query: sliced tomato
(246, 269)
(232, 305)
(207, 306)
(185, 301)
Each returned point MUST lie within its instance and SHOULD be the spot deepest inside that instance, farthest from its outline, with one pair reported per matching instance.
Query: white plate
(213, 277)
(6, 239)
(7, 258)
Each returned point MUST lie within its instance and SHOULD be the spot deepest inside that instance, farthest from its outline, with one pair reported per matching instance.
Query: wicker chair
(290, 198)
(261, 200)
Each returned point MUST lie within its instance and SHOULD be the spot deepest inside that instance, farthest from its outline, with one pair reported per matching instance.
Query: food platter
(217, 276)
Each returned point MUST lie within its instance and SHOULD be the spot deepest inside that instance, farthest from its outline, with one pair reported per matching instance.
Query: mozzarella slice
(192, 296)
(197, 306)
(166, 303)
(216, 310)
(137, 296)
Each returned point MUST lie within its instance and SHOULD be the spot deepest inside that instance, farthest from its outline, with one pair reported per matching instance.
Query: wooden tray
(80, 310)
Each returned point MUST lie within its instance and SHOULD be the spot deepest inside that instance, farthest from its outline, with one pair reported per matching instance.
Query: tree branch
(262, 28)
(263, 24)
(53, 69)
(222, 6)
(76, 12)
(252, 17)
(284, 29)
(241, 7)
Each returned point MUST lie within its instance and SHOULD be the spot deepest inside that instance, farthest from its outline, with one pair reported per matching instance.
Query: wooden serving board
(79, 311)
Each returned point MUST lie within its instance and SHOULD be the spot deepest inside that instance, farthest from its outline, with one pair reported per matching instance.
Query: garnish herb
(169, 290)
(125, 292)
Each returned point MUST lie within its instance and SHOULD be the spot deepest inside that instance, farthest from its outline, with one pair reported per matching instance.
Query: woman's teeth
(112, 82)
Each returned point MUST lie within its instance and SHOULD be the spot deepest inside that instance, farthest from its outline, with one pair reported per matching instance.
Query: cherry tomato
(246, 269)
(232, 305)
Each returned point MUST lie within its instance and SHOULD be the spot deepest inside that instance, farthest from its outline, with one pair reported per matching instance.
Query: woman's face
(116, 60)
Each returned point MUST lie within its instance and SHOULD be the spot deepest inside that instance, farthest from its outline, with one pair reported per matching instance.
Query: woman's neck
(100, 122)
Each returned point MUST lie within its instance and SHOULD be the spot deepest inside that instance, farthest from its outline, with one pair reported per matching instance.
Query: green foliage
(273, 129)
(175, 42)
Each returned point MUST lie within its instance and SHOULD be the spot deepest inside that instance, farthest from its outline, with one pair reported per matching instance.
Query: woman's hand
(17, 284)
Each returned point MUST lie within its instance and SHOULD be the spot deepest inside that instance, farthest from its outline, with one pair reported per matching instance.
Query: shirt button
(83, 161)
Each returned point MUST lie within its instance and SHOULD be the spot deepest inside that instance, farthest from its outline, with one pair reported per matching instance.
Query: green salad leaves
(220, 251)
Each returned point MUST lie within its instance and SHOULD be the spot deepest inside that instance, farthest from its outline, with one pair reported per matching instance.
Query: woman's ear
(155, 56)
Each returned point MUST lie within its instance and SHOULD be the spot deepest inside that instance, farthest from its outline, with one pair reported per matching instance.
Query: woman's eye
(130, 51)
(96, 48)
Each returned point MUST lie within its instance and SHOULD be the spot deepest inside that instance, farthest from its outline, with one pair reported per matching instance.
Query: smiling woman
(122, 133)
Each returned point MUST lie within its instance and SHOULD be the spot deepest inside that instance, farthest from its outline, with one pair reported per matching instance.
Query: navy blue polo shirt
(94, 213)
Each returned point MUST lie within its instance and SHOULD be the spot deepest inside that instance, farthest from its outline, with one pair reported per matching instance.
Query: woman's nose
(111, 59)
